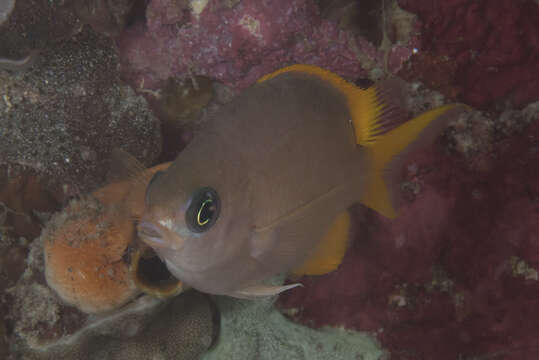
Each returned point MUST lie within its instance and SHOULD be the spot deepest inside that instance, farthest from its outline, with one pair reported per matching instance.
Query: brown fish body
(261, 190)
(283, 159)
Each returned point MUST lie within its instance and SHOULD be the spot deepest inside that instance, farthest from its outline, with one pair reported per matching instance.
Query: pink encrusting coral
(238, 42)
(495, 44)
(455, 275)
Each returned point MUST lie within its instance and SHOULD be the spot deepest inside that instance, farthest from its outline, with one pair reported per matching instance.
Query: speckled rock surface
(65, 115)
(32, 26)
(255, 330)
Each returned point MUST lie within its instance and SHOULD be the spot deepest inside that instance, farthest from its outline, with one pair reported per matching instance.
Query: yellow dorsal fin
(372, 111)
(329, 252)
(387, 153)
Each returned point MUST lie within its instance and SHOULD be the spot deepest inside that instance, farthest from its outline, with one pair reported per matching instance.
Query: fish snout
(158, 236)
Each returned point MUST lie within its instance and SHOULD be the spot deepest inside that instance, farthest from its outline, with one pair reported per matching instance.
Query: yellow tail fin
(389, 148)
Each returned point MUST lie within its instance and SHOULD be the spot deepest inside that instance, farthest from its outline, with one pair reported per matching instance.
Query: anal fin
(329, 252)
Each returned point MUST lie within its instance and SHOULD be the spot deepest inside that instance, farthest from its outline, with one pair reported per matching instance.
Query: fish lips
(158, 236)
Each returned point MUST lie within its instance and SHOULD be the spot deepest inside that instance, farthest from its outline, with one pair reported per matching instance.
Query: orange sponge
(83, 248)
(85, 245)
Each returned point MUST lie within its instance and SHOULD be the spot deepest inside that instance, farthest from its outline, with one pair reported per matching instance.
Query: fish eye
(152, 180)
(203, 210)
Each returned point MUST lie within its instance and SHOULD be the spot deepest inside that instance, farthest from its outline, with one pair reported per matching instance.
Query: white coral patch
(251, 24)
(197, 6)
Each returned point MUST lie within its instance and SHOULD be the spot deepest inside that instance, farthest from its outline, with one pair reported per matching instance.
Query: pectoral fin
(258, 291)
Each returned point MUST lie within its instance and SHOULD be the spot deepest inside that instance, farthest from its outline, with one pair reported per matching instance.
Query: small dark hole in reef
(137, 13)
(364, 83)
(153, 272)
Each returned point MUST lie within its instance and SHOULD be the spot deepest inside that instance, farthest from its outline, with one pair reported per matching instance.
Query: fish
(265, 188)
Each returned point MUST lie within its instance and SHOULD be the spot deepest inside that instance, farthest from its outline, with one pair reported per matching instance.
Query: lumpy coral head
(83, 248)
(236, 44)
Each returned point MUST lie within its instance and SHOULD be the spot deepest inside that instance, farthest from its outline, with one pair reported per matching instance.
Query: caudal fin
(386, 153)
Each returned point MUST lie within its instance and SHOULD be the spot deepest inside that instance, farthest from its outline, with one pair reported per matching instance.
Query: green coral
(254, 329)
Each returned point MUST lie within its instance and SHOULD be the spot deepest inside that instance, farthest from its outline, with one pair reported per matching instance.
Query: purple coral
(238, 44)
(495, 45)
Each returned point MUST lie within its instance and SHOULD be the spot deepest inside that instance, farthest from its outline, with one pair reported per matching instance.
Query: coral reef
(104, 16)
(179, 105)
(494, 45)
(45, 328)
(455, 275)
(26, 196)
(93, 259)
(65, 115)
(256, 330)
(238, 42)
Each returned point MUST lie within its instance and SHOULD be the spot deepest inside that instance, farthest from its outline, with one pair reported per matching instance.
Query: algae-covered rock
(28, 26)
(255, 330)
(66, 113)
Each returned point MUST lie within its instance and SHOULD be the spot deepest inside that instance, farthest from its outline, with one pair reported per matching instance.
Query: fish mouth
(158, 236)
(152, 234)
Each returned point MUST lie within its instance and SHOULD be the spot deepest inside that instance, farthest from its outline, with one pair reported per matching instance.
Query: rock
(255, 330)
(32, 26)
(71, 103)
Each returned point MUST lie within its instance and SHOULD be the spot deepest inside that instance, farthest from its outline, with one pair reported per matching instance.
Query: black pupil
(203, 211)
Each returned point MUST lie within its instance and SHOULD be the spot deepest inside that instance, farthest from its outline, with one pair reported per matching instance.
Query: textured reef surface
(257, 330)
(455, 274)
(237, 42)
(494, 45)
(454, 277)
(65, 114)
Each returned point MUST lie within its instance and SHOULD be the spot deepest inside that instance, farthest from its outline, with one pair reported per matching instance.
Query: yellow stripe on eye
(202, 223)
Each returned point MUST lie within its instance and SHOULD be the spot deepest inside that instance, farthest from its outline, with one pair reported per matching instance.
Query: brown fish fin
(329, 252)
(123, 166)
(126, 183)
(385, 156)
(258, 291)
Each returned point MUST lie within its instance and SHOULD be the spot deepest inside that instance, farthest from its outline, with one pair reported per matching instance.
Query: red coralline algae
(455, 276)
(239, 43)
(495, 44)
